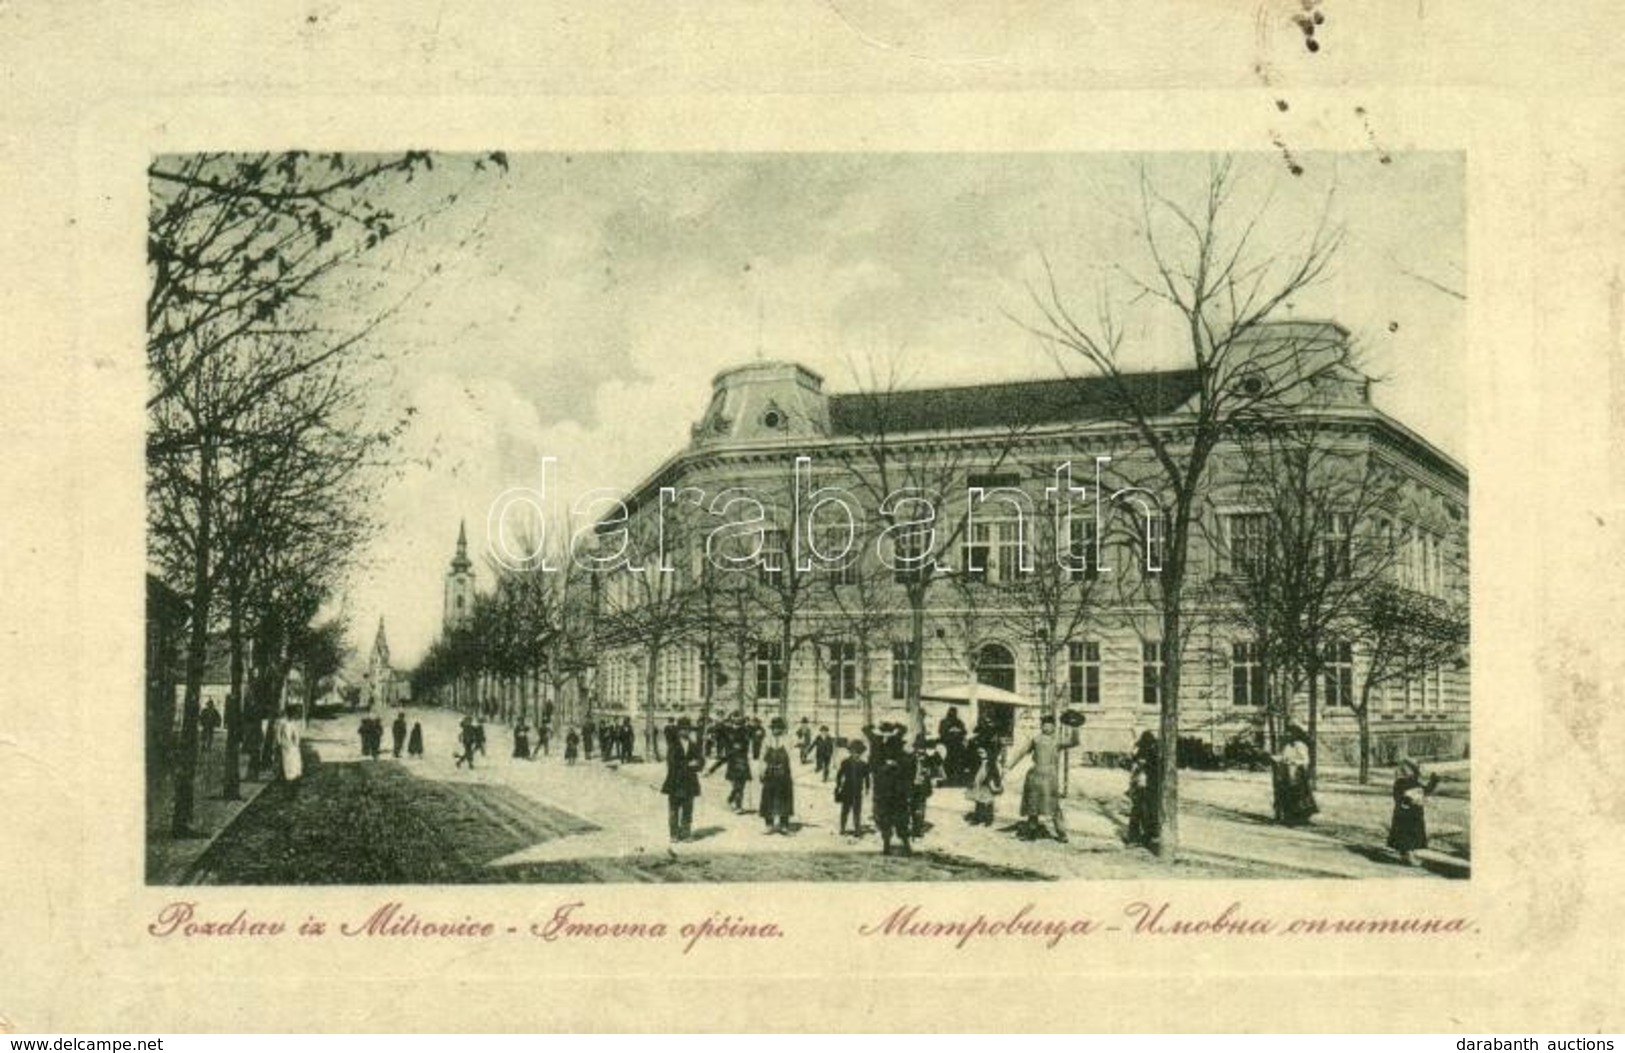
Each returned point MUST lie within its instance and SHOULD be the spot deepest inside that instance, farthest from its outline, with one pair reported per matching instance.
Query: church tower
(380, 677)
(459, 585)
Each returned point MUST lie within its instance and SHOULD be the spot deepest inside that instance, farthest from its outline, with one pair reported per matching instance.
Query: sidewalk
(169, 858)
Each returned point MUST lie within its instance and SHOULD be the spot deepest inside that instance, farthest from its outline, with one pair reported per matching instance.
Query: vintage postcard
(842, 551)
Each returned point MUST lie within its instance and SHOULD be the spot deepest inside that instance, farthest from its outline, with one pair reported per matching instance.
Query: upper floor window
(1082, 558)
(772, 557)
(1335, 545)
(1246, 536)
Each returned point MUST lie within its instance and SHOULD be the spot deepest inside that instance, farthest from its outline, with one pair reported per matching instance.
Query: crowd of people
(892, 773)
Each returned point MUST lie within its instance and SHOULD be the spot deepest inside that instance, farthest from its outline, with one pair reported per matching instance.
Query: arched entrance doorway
(996, 667)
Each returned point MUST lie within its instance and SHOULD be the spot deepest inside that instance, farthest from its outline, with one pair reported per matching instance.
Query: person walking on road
(778, 786)
(290, 764)
(1294, 799)
(397, 732)
(823, 752)
(209, 722)
(1144, 791)
(414, 741)
(893, 775)
(682, 785)
(465, 739)
(1408, 829)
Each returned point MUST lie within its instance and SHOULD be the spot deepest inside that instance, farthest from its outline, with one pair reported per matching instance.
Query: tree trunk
(1363, 715)
(229, 787)
(1172, 669)
(650, 683)
(1314, 726)
(916, 668)
(196, 652)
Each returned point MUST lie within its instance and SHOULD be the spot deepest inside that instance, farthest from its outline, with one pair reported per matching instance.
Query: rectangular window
(1246, 538)
(902, 668)
(1335, 545)
(1156, 544)
(1083, 672)
(1246, 674)
(907, 551)
(772, 557)
(1153, 657)
(833, 542)
(1009, 559)
(1081, 555)
(1339, 673)
(843, 670)
(769, 671)
(976, 551)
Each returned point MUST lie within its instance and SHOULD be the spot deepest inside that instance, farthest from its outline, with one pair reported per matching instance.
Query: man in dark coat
(804, 737)
(893, 772)
(209, 722)
(851, 783)
(589, 734)
(682, 785)
(466, 740)
(927, 770)
(397, 732)
(778, 788)
(952, 734)
(823, 752)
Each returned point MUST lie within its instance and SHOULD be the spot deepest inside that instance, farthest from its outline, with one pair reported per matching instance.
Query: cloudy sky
(583, 302)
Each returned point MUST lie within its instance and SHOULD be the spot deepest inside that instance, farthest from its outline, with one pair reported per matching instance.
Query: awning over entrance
(974, 692)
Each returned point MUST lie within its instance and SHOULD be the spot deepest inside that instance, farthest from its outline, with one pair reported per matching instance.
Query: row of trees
(265, 445)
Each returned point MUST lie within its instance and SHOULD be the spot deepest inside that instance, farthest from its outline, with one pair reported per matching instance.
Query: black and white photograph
(620, 517)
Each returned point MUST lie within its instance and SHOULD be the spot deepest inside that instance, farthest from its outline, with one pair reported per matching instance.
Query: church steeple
(380, 644)
(459, 585)
(460, 562)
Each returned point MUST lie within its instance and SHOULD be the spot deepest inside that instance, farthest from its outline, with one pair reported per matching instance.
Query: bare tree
(1225, 290)
(1403, 635)
(1295, 582)
(915, 480)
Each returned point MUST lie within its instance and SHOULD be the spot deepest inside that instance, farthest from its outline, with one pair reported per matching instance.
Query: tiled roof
(1025, 404)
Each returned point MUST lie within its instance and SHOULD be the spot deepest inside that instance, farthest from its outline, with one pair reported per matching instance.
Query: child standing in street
(851, 783)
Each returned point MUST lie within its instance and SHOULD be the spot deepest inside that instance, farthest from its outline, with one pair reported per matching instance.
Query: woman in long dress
(287, 747)
(1294, 800)
(1144, 788)
(778, 789)
(1408, 830)
(985, 787)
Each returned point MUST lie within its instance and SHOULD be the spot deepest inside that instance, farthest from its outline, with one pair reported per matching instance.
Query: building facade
(1058, 609)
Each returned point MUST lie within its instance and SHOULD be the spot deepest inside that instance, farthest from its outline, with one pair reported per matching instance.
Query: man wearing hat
(778, 789)
(682, 785)
(893, 773)
(851, 783)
